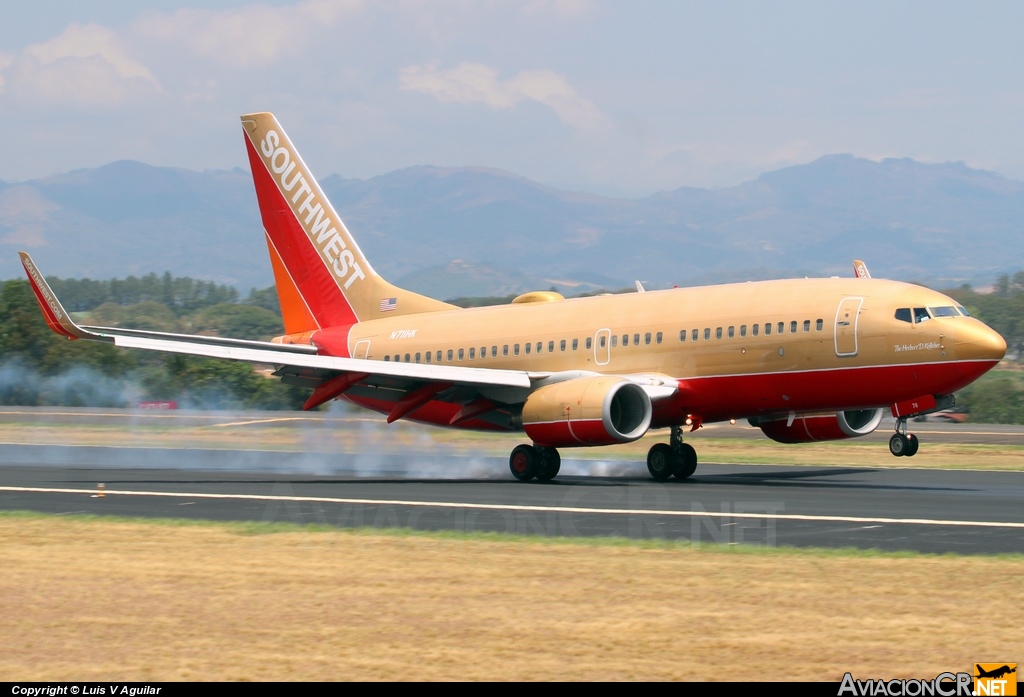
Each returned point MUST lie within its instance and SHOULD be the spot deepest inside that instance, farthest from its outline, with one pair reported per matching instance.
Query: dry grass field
(89, 599)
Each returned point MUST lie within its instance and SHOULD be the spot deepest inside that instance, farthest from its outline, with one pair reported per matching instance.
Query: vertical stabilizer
(322, 277)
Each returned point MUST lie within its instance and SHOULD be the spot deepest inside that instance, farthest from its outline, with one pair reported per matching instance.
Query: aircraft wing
(297, 364)
(397, 386)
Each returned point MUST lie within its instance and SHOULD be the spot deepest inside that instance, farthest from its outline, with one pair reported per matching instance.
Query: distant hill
(475, 231)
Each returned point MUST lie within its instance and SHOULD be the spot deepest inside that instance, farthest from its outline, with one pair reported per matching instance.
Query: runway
(766, 506)
(351, 471)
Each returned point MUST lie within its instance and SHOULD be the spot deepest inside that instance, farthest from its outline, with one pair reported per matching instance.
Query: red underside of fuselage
(721, 398)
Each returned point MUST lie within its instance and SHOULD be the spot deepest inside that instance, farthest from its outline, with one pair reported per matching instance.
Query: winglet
(54, 313)
(860, 269)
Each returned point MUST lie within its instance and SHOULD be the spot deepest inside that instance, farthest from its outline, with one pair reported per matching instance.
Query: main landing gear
(538, 462)
(675, 458)
(903, 444)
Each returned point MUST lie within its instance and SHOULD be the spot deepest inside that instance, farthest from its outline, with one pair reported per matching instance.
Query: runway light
(732, 421)
(100, 489)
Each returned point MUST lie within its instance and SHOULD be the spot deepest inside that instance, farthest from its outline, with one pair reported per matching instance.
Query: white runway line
(532, 509)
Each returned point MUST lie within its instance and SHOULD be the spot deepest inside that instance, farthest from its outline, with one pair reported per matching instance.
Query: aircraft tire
(661, 461)
(524, 462)
(688, 464)
(899, 445)
(550, 463)
(912, 445)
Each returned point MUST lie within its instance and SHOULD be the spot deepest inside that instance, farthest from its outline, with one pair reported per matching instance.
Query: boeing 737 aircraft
(803, 360)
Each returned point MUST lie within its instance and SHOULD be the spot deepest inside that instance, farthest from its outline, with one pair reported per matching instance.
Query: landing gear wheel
(661, 461)
(912, 445)
(524, 462)
(550, 463)
(899, 445)
(686, 461)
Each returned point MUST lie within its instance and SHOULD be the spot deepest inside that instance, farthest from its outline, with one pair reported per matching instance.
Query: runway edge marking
(526, 508)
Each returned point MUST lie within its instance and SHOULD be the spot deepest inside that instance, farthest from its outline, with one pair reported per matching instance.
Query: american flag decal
(388, 304)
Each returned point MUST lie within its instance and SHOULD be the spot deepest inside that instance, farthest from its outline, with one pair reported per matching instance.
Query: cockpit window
(921, 315)
(963, 311)
(903, 315)
(942, 311)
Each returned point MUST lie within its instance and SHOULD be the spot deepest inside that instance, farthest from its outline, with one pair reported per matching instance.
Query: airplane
(801, 359)
(995, 673)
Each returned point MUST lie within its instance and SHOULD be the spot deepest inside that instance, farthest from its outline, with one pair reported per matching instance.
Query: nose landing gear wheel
(899, 444)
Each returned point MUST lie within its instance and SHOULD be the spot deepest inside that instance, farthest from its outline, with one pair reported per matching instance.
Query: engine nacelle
(598, 410)
(815, 427)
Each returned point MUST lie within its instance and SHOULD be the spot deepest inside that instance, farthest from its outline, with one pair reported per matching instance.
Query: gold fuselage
(838, 330)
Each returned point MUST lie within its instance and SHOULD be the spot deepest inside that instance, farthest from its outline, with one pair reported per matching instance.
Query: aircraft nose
(976, 341)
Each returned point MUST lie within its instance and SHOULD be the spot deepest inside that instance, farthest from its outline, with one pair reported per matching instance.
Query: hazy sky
(606, 97)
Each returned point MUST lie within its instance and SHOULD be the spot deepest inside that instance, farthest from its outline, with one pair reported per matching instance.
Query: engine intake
(818, 427)
(598, 410)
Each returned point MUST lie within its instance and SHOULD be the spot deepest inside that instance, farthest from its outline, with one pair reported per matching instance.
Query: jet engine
(597, 410)
(815, 427)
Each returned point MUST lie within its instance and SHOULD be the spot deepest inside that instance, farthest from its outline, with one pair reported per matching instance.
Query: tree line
(40, 368)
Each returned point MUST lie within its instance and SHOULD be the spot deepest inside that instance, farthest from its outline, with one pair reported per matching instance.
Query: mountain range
(473, 231)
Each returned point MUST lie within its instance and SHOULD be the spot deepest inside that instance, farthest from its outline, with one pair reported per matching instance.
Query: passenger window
(754, 329)
(615, 340)
(417, 357)
(589, 343)
(767, 328)
(551, 347)
(782, 327)
(427, 356)
(515, 349)
(575, 344)
(682, 335)
(437, 358)
(693, 335)
(603, 341)
(540, 346)
(407, 358)
(397, 358)
(494, 352)
(807, 325)
(451, 355)
(472, 353)
(743, 330)
(792, 327)
(818, 325)
(647, 339)
(483, 352)
(732, 332)
(561, 345)
(504, 350)
(657, 338)
(527, 348)
(707, 333)
(636, 339)
(625, 339)
(718, 333)
(387, 359)
(462, 353)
